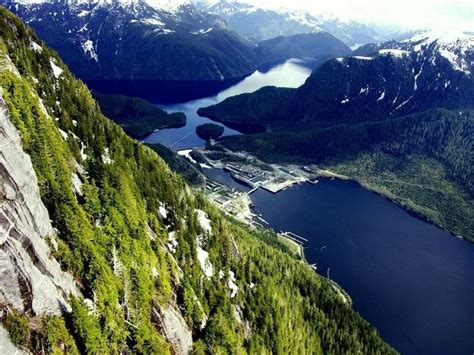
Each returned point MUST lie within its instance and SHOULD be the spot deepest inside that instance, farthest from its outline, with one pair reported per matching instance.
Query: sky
(434, 14)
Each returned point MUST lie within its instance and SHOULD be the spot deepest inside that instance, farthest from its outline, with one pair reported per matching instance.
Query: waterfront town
(254, 174)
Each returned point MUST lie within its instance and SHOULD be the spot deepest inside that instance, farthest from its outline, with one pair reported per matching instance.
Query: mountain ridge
(264, 22)
(134, 40)
(158, 268)
(350, 103)
(375, 83)
(110, 40)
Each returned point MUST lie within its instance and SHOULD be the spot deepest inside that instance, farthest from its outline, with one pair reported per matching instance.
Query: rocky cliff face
(174, 328)
(155, 262)
(6, 346)
(30, 279)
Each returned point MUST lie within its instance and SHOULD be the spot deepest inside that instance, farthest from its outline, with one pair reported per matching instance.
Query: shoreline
(317, 172)
(395, 200)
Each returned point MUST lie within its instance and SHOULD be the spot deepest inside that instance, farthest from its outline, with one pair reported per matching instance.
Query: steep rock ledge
(6, 346)
(174, 328)
(30, 278)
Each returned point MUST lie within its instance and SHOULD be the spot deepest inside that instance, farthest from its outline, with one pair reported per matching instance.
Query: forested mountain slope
(385, 116)
(320, 45)
(148, 266)
(135, 40)
(390, 80)
(136, 116)
(143, 40)
(423, 161)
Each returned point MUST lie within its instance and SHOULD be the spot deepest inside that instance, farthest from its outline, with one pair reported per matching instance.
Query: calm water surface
(413, 281)
(292, 73)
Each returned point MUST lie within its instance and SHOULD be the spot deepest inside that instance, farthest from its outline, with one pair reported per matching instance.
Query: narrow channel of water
(413, 281)
(291, 73)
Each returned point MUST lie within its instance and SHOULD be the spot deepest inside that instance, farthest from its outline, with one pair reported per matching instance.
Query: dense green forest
(424, 161)
(137, 117)
(352, 91)
(115, 239)
(191, 173)
(378, 119)
(266, 108)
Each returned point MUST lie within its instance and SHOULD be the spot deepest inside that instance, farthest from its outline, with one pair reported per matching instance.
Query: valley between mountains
(232, 177)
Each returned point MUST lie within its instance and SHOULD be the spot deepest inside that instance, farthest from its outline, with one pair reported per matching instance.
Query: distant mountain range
(380, 116)
(155, 40)
(258, 23)
(134, 40)
(377, 82)
(106, 250)
(321, 45)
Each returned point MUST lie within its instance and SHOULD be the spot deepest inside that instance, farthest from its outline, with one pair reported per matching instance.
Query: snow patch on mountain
(154, 21)
(456, 48)
(202, 31)
(36, 47)
(89, 50)
(83, 13)
(397, 53)
(57, 71)
(382, 96)
(269, 21)
(305, 19)
(164, 5)
(162, 211)
(63, 134)
(172, 242)
(106, 157)
(204, 221)
(168, 5)
(362, 57)
(206, 266)
(232, 285)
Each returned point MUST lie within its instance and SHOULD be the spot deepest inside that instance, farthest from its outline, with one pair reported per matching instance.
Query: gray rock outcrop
(30, 278)
(6, 346)
(174, 328)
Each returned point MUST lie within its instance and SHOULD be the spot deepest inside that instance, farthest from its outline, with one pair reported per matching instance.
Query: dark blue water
(189, 96)
(161, 91)
(291, 73)
(411, 280)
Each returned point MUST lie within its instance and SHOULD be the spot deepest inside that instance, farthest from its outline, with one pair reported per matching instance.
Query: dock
(262, 220)
(294, 235)
(253, 190)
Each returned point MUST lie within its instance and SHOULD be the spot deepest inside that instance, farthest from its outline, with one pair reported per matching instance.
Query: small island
(209, 131)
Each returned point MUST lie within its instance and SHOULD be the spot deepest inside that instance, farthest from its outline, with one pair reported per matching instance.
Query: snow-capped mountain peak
(168, 5)
(136, 38)
(164, 5)
(455, 49)
(265, 21)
